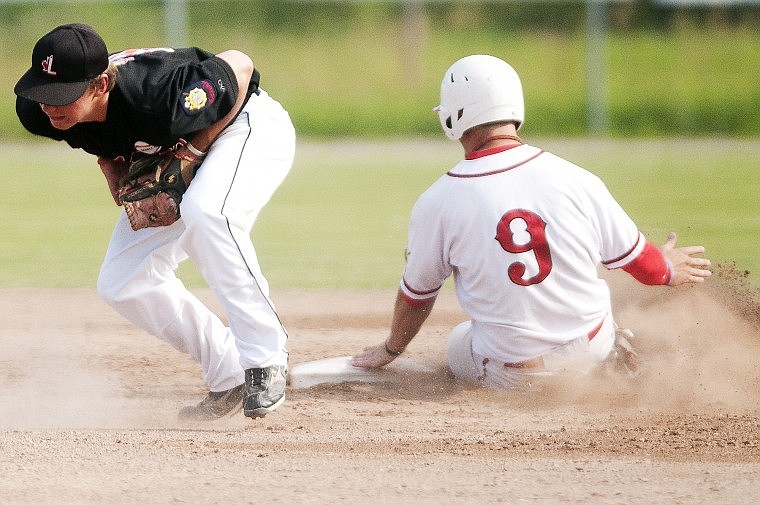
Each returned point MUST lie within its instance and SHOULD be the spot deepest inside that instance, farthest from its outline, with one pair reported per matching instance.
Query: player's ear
(104, 83)
(101, 84)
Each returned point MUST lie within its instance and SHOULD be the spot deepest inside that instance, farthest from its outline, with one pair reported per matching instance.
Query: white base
(339, 370)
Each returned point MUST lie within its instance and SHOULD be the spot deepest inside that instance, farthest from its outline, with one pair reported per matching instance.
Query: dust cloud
(68, 361)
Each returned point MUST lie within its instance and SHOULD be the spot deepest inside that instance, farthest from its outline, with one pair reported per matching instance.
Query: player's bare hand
(686, 267)
(374, 356)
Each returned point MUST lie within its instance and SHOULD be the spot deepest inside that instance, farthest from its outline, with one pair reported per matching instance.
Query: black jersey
(161, 95)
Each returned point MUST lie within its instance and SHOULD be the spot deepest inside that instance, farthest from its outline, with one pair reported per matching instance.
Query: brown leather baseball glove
(153, 187)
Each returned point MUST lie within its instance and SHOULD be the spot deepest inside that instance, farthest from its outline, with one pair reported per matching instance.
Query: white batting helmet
(476, 90)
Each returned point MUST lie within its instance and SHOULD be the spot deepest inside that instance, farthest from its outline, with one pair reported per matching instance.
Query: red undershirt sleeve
(650, 266)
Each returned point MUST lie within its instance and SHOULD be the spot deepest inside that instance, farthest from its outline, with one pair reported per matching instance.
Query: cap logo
(63, 62)
(47, 65)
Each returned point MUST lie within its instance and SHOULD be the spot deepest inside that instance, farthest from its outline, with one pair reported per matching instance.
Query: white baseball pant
(578, 356)
(240, 173)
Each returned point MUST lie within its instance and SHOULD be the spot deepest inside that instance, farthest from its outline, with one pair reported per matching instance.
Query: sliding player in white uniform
(523, 232)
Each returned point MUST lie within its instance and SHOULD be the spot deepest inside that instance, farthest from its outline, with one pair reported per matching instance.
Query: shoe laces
(258, 376)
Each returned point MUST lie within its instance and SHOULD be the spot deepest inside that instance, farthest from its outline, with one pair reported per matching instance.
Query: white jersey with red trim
(523, 232)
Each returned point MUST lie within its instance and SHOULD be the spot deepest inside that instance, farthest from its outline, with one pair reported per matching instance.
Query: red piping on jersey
(629, 251)
(420, 293)
(492, 151)
(416, 301)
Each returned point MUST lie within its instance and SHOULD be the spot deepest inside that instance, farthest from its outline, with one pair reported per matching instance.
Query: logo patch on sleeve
(198, 96)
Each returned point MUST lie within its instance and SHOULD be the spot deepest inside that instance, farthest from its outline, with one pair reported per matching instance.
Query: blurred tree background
(373, 69)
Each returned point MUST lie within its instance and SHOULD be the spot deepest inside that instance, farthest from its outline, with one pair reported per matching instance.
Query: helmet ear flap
(445, 117)
(460, 113)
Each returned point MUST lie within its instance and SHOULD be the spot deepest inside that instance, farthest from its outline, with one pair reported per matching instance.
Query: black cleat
(215, 405)
(264, 390)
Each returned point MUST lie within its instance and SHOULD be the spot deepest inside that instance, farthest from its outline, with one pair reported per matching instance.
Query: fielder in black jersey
(207, 110)
(151, 103)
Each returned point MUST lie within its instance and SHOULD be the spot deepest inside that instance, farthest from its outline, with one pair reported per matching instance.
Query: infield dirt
(88, 412)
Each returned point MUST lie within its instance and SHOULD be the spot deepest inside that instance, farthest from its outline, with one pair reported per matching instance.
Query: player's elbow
(241, 63)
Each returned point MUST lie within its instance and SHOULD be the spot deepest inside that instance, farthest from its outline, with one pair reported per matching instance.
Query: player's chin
(61, 123)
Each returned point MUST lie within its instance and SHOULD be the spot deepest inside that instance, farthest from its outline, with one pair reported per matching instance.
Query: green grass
(56, 217)
(342, 214)
(369, 77)
(339, 220)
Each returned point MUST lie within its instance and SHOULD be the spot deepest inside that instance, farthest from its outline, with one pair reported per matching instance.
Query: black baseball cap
(64, 62)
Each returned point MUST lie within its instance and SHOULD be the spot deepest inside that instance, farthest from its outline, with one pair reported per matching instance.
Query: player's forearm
(670, 265)
(650, 267)
(408, 317)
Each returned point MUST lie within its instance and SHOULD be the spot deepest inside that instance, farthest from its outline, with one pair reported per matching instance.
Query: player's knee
(111, 285)
(106, 290)
(459, 353)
